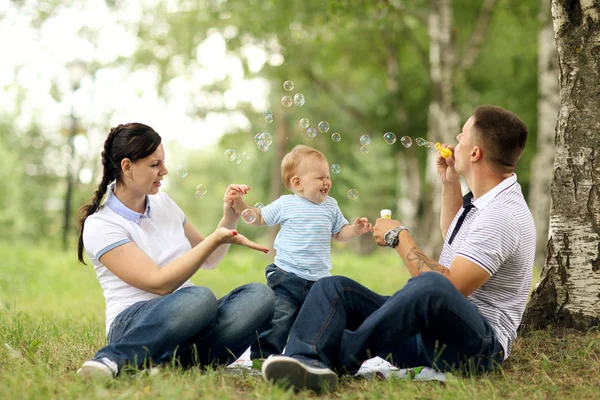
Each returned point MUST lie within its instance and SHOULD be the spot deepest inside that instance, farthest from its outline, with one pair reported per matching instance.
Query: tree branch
(339, 100)
(472, 48)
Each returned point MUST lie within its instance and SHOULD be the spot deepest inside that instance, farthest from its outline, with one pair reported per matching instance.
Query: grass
(52, 318)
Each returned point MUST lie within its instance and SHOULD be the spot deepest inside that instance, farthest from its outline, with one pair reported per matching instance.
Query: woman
(144, 252)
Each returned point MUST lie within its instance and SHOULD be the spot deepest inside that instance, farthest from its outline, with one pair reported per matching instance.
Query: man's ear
(295, 183)
(476, 153)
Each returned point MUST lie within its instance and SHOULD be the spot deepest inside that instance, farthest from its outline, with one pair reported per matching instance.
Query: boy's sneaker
(417, 374)
(290, 372)
(98, 369)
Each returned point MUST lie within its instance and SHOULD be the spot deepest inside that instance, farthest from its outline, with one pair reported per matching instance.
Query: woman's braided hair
(133, 141)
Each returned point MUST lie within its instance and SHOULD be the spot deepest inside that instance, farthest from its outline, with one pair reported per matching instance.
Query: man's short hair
(502, 135)
(291, 161)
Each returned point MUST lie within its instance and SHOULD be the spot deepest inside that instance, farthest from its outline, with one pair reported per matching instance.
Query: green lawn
(52, 318)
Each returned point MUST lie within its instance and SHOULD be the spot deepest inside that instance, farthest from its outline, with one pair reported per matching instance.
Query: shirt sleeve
(339, 221)
(101, 236)
(492, 239)
(171, 205)
(271, 213)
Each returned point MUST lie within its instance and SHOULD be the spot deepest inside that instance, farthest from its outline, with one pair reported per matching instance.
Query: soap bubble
(288, 85)
(336, 137)
(267, 111)
(263, 146)
(201, 189)
(237, 159)
(199, 195)
(259, 205)
(248, 215)
(304, 122)
(269, 119)
(299, 99)
(365, 140)
(286, 101)
(181, 171)
(324, 126)
(335, 169)
(353, 194)
(420, 141)
(230, 154)
(406, 141)
(364, 149)
(389, 137)
(245, 156)
(311, 132)
(263, 137)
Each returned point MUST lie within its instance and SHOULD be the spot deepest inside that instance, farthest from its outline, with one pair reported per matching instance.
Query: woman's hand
(231, 236)
(233, 205)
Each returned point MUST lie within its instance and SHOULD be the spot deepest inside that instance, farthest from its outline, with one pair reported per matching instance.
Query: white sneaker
(290, 372)
(417, 374)
(98, 370)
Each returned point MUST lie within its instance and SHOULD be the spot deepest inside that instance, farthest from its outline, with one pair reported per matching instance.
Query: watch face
(389, 238)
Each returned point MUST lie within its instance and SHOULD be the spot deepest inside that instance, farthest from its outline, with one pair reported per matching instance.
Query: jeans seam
(456, 314)
(332, 313)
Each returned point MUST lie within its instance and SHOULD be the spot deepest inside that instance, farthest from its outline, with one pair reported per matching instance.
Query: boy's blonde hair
(291, 161)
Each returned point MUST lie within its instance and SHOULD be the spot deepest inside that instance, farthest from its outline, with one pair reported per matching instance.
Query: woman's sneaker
(98, 369)
(289, 372)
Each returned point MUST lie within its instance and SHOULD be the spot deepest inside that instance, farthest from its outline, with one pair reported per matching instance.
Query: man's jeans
(191, 326)
(290, 293)
(426, 323)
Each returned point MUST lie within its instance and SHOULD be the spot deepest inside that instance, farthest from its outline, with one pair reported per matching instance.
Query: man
(461, 312)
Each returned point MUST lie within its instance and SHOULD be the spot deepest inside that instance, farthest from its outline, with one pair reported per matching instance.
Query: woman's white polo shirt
(158, 233)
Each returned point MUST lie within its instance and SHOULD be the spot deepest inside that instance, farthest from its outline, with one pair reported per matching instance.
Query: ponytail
(109, 174)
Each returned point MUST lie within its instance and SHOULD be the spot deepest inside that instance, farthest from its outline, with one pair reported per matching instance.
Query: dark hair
(134, 141)
(502, 134)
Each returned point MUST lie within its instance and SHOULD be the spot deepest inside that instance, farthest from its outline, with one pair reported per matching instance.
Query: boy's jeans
(190, 325)
(290, 293)
(426, 323)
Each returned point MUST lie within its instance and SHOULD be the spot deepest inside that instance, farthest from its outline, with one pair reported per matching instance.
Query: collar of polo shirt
(484, 200)
(117, 206)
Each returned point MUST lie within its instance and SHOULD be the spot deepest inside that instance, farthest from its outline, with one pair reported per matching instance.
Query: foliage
(361, 66)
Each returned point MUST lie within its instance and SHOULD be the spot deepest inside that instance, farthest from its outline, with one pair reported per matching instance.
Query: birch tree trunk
(443, 120)
(568, 294)
(539, 200)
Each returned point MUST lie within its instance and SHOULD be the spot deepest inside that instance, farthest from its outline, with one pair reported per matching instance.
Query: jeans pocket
(274, 275)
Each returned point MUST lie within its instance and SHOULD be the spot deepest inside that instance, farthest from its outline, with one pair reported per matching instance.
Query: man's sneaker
(289, 372)
(98, 369)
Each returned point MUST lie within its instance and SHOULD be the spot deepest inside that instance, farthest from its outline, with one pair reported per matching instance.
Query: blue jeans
(290, 293)
(190, 326)
(426, 323)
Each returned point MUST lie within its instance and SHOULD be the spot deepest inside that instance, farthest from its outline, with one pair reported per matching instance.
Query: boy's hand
(233, 204)
(362, 225)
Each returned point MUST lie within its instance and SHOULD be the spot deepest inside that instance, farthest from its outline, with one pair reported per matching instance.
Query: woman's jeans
(426, 323)
(191, 326)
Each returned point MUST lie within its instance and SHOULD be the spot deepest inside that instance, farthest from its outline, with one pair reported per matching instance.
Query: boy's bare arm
(348, 232)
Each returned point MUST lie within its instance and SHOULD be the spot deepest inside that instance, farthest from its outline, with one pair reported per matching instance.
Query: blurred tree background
(366, 67)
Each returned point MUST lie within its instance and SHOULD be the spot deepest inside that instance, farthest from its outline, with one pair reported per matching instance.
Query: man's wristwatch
(391, 237)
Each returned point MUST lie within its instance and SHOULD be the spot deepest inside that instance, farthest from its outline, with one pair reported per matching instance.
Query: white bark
(568, 292)
(539, 200)
(443, 119)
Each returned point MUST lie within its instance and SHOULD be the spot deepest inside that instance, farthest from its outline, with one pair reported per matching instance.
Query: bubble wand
(444, 152)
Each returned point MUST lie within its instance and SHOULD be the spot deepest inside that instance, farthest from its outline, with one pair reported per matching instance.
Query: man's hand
(383, 226)
(445, 167)
(361, 226)
(233, 204)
